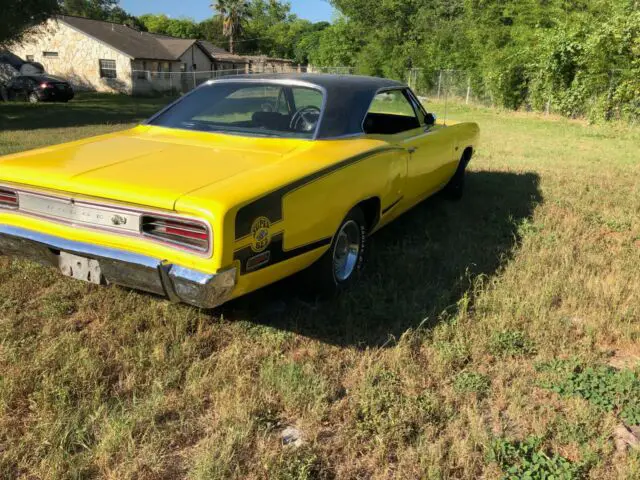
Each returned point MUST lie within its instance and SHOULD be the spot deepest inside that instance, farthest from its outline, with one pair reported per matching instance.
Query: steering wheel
(305, 119)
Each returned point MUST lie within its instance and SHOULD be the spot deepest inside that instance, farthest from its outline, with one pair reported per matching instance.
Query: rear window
(248, 108)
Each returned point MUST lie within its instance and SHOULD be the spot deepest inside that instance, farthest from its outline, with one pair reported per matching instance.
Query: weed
(296, 384)
(471, 382)
(385, 411)
(109, 383)
(511, 343)
(299, 464)
(527, 460)
(609, 389)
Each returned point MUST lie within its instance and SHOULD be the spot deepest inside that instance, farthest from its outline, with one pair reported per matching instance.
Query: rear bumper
(119, 267)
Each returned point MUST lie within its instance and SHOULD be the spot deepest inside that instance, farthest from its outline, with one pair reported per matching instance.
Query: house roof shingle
(130, 41)
(221, 54)
(152, 46)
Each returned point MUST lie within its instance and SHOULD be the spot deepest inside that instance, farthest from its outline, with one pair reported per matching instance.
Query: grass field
(498, 334)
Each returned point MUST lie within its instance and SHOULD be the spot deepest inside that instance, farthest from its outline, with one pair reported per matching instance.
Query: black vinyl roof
(348, 98)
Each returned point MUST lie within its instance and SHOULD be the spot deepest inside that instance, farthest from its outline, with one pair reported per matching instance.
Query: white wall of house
(195, 56)
(75, 56)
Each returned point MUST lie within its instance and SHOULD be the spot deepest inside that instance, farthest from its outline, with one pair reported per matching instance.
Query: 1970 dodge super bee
(240, 183)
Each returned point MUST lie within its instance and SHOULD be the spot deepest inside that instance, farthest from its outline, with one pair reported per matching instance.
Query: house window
(183, 67)
(30, 58)
(108, 69)
(50, 54)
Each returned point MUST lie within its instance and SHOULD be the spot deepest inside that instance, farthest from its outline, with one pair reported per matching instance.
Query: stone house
(105, 56)
(109, 57)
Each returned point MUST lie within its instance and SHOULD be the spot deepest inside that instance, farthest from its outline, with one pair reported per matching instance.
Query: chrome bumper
(119, 267)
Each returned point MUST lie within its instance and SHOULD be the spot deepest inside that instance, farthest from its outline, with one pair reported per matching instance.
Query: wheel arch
(371, 208)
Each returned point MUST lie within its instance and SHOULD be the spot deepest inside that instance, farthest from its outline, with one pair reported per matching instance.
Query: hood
(148, 166)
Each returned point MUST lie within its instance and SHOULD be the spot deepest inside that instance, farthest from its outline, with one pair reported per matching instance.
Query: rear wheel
(33, 98)
(340, 265)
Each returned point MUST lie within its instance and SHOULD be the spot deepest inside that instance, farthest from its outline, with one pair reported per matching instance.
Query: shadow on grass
(85, 109)
(418, 266)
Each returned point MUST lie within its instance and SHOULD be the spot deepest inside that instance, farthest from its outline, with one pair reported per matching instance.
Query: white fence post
(468, 89)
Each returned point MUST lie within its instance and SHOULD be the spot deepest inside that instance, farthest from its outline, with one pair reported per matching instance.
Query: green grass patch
(527, 460)
(413, 373)
(605, 387)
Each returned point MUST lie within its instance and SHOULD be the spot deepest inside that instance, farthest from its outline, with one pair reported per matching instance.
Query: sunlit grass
(419, 372)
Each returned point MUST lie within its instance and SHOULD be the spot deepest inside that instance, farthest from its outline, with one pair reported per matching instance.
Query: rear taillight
(44, 85)
(189, 234)
(8, 198)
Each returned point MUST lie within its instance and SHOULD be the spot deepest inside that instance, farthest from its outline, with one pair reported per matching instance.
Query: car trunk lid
(146, 166)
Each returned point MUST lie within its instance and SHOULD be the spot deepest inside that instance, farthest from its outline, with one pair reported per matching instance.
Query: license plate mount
(80, 268)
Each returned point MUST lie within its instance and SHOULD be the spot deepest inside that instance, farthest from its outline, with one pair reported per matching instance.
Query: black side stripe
(278, 253)
(270, 205)
(392, 205)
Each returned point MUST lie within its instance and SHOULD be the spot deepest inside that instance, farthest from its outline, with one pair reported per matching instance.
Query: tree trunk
(231, 43)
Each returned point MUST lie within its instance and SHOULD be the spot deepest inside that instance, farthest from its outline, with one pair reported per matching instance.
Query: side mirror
(430, 119)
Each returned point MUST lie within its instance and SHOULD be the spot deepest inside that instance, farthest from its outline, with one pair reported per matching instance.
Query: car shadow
(418, 266)
(85, 109)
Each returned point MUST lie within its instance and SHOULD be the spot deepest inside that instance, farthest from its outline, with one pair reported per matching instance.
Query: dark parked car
(39, 88)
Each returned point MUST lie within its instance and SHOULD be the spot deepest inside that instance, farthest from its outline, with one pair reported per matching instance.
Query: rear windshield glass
(248, 108)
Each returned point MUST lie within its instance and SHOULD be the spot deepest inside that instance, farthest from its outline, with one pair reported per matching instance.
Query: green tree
(95, 9)
(234, 13)
(175, 27)
(17, 18)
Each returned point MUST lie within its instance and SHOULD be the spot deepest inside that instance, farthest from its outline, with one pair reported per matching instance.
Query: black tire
(454, 190)
(323, 276)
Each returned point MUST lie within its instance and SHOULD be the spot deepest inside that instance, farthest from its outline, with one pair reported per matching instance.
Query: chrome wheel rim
(346, 251)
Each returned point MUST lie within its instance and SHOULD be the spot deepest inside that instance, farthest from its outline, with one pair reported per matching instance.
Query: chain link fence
(598, 98)
(145, 82)
(450, 86)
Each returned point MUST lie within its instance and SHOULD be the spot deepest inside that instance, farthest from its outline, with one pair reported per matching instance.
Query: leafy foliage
(510, 343)
(607, 388)
(16, 19)
(261, 27)
(107, 10)
(581, 57)
(526, 459)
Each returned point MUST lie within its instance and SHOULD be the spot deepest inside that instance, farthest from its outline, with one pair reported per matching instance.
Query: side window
(391, 112)
(306, 97)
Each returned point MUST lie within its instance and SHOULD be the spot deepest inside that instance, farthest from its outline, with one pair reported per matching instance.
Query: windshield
(247, 108)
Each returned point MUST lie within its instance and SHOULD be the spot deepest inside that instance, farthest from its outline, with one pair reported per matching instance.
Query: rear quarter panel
(465, 134)
(304, 199)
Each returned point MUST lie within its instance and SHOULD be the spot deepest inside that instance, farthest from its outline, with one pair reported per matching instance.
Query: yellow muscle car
(238, 184)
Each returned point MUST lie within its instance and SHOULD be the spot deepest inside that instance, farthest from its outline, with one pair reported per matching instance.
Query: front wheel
(341, 264)
(455, 188)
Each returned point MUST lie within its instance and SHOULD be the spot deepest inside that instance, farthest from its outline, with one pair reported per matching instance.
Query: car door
(394, 117)
(433, 159)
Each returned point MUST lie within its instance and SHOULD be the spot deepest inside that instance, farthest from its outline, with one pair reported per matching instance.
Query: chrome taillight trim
(139, 211)
(194, 226)
(6, 196)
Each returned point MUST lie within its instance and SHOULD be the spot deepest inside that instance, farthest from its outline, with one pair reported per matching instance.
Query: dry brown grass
(413, 374)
